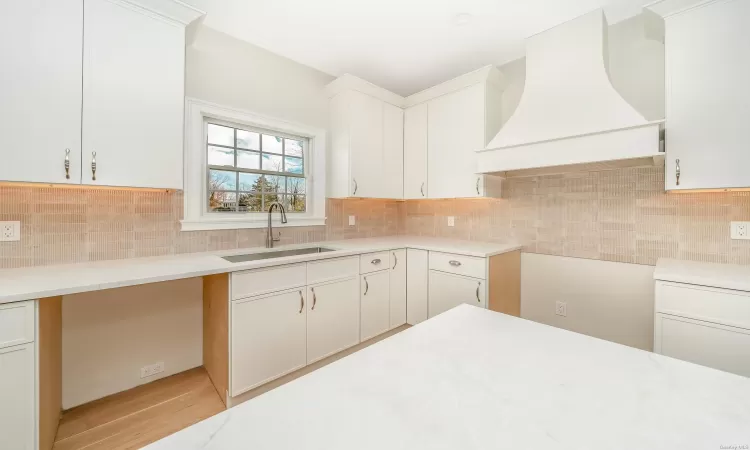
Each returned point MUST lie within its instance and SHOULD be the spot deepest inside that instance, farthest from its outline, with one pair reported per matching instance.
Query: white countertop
(727, 276)
(47, 281)
(474, 379)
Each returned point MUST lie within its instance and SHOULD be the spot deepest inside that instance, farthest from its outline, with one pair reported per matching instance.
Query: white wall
(608, 300)
(109, 335)
(227, 71)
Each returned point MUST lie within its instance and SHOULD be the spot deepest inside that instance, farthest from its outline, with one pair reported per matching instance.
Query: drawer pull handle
(375, 261)
(454, 263)
(315, 299)
(478, 284)
(301, 302)
(367, 286)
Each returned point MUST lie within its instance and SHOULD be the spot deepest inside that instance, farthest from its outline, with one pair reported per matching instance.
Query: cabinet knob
(375, 261)
(677, 171)
(67, 164)
(93, 166)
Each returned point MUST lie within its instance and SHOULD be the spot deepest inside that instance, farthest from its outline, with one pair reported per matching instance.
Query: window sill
(208, 224)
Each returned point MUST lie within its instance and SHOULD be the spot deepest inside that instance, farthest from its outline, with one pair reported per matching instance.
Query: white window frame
(196, 214)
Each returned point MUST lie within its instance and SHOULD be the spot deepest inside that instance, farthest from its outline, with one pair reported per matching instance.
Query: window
(237, 162)
(248, 169)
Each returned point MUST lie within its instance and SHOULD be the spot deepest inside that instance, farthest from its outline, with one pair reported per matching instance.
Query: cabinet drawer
(264, 281)
(16, 323)
(372, 262)
(469, 266)
(704, 303)
(332, 269)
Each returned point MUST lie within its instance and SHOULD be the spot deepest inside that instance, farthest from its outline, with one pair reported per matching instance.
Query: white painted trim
(196, 216)
(488, 74)
(667, 8)
(173, 10)
(348, 82)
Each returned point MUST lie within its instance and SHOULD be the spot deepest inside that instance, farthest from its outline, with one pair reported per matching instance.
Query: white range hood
(570, 116)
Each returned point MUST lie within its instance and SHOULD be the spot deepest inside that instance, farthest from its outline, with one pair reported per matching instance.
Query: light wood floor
(139, 416)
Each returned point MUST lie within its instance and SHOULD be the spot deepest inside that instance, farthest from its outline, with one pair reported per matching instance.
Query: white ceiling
(402, 45)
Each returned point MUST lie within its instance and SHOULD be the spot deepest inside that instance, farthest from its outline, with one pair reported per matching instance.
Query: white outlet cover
(352, 220)
(561, 309)
(740, 230)
(10, 231)
(451, 221)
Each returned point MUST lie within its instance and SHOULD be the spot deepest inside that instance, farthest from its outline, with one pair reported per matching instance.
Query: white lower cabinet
(417, 262)
(398, 288)
(268, 338)
(375, 304)
(332, 318)
(448, 291)
(17, 397)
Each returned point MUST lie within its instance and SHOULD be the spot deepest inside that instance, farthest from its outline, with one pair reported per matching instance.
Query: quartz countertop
(48, 281)
(475, 379)
(727, 276)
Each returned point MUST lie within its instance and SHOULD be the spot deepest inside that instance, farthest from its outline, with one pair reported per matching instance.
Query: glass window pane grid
(282, 195)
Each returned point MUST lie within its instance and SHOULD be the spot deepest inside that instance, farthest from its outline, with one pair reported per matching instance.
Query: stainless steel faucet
(270, 239)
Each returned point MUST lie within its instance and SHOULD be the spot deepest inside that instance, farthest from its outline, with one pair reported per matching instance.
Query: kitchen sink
(276, 254)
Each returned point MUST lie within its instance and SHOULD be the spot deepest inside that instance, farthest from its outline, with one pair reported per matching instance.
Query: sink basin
(276, 254)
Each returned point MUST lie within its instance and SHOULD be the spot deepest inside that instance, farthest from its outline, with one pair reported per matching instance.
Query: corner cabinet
(104, 104)
(365, 157)
(707, 97)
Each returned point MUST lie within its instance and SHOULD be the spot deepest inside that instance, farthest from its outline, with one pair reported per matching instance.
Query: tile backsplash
(67, 225)
(617, 215)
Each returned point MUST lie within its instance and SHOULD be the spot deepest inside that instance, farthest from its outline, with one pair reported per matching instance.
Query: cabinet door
(417, 268)
(707, 94)
(415, 152)
(375, 304)
(366, 145)
(332, 318)
(455, 130)
(398, 288)
(17, 394)
(133, 96)
(40, 97)
(448, 291)
(268, 338)
(393, 152)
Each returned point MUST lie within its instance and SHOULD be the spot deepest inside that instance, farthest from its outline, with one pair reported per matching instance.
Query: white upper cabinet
(40, 97)
(133, 97)
(415, 152)
(366, 154)
(707, 73)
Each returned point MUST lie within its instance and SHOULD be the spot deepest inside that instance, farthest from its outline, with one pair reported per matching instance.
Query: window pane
(220, 156)
(222, 201)
(296, 203)
(268, 199)
(250, 202)
(271, 144)
(250, 182)
(271, 162)
(248, 160)
(222, 179)
(248, 140)
(295, 185)
(220, 135)
(293, 165)
(275, 183)
(292, 147)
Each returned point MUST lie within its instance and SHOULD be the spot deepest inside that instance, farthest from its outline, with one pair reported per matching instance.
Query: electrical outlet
(740, 230)
(352, 221)
(152, 369)
(561, 309)
(10, 231)
(451, 221)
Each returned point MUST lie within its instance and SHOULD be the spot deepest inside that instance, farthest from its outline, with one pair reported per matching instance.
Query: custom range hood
(570, 117)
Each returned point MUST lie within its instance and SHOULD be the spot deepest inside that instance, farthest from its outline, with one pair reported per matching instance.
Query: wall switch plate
(152, 369)
(352, 220)
(10, 231)
(451, 221)
(561, 309)
(740, 230)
